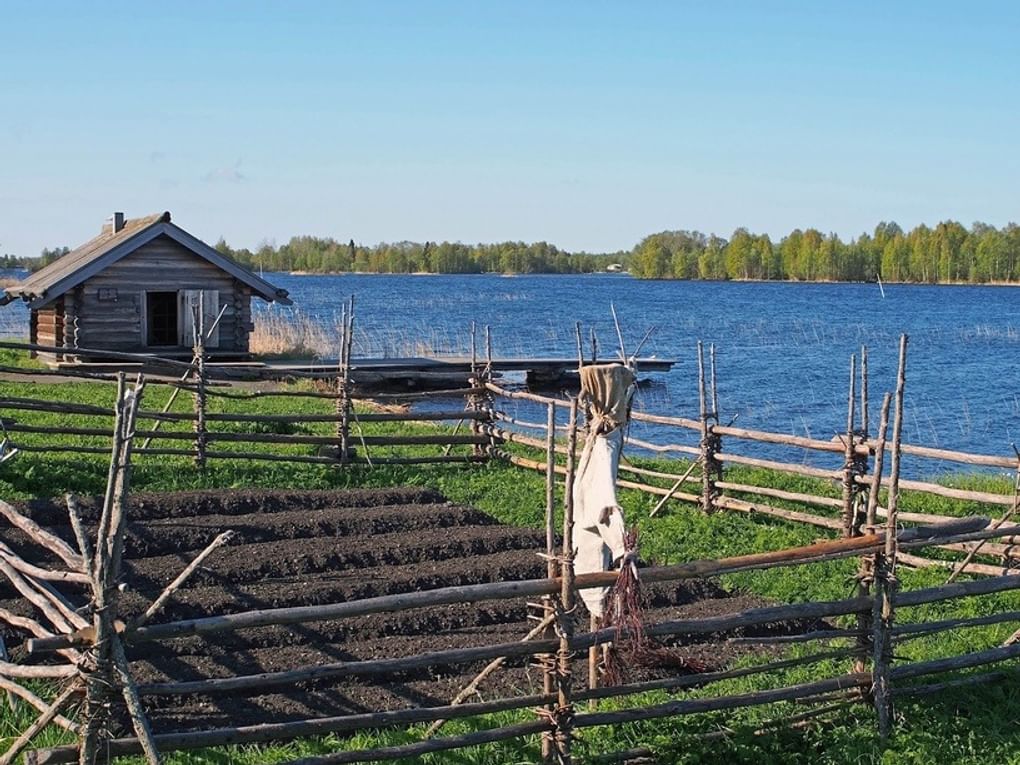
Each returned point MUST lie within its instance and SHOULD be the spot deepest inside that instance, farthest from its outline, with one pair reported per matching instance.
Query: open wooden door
(192, 301)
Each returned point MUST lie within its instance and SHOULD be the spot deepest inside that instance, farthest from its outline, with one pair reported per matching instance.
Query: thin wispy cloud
(229, 174)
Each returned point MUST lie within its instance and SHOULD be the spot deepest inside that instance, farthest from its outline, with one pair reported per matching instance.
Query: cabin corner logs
(881, 537)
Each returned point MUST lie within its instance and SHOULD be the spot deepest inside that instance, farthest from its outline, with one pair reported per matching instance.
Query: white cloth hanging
(598, 519)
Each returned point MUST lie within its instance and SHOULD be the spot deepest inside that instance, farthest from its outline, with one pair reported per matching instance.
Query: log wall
(110, 307)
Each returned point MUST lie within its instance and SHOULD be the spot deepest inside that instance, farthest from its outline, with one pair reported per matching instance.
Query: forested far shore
(947, 253)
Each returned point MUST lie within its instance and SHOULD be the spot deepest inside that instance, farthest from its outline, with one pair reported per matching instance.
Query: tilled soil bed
(307, 548)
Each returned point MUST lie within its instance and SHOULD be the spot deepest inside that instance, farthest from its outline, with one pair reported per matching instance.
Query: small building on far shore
(136, 288)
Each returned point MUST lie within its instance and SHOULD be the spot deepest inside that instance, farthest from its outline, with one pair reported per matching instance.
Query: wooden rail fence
(86, 651)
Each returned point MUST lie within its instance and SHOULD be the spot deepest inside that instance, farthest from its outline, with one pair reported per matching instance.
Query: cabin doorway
(162, 319)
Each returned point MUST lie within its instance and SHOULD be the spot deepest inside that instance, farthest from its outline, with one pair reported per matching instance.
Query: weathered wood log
(524, 462)
(266, 456)
(661, 448)
(975, 679)
(695, 706)
(518, 422)
(37, 598)
(432, 745)
(46, 672)
(927, 487)
(817, 552)
(868, 564)
(884, 569)
(425, 396)
(284, 731)
(781, 439)
(964, 661)
(175, 585)
(106, 571)
(986, 460)
(38, 572)
(524, 396)
(140, 723)
(706, 678)
(272, 438)
(926, 628)
(62, 604)
(99, 353)
(732, 503)
(793, 496)
(376, 667)
(41, 536)
(658, 419)
(676, 486)
(803, 637)
(266, 732)
(563, 714)
(916, 561)
(781, 467)
(471, 688)
(84, 548)
(24, 623)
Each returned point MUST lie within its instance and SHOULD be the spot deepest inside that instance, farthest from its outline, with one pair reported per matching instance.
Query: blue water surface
(783, 348)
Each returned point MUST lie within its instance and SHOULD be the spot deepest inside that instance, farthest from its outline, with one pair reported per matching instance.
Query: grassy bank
(964, 726)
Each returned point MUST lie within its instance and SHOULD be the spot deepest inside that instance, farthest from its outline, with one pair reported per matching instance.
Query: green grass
(975, 726)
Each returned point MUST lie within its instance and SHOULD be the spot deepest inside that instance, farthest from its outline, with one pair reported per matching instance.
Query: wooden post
(343, 384)
(866, 571)
(563, 717)
(710, 446)
(552, 571)
(850, 456)
(715, 389)
(477, 380)
(885, 570)
(108, 666)
(200, 380)
(864, 392)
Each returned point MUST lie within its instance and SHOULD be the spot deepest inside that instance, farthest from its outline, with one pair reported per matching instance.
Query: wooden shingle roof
(86, 261)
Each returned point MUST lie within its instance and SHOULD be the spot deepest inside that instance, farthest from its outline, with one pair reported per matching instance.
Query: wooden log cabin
(136, 288)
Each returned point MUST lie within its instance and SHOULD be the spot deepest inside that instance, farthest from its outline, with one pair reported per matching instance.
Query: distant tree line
(326, 255)
(949, 252)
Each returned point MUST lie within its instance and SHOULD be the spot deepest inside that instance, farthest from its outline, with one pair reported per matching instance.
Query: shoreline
(617, 274)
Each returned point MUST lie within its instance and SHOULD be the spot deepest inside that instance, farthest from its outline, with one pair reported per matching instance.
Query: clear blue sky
(585, 124)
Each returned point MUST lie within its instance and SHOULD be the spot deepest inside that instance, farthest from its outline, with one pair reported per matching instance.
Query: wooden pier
(405, 373)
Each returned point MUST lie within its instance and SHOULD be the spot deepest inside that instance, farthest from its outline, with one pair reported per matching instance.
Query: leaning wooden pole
(552, 571)
(709, 445)
(107, 667)
(864, 393)
(850, 456)
(866, 570)
(200, 399)
(564, 714)
(95, 683)
(885, 569)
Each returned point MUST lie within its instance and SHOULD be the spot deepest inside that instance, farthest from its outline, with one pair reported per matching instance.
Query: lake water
(783, 348)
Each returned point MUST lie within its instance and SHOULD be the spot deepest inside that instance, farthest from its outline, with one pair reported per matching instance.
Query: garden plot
(307, 548)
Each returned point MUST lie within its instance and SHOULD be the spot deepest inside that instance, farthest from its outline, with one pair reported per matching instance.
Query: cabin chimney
(117, 222)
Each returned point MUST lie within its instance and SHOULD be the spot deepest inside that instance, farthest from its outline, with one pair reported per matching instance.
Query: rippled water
(783, 348)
